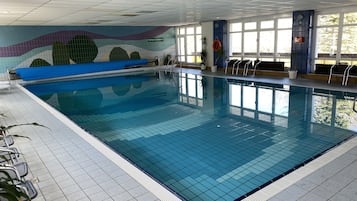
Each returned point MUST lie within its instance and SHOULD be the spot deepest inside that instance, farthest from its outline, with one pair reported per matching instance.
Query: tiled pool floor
(69, 168)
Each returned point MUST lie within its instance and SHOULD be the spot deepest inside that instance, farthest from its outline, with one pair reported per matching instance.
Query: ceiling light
(147, 11)
(129, 15)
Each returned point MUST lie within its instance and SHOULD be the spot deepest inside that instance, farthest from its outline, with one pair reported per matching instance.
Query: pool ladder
(345, 76)
(354, 104)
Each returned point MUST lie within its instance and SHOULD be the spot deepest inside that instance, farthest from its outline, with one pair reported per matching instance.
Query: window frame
(338, 56)
(179, 50)
(273, 56)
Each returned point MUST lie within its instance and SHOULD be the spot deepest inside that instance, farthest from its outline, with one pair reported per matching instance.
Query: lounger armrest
(11, 171)
(28, 188)
(4, 149)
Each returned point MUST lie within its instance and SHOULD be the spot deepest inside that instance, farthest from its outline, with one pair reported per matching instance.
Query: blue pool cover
(47, 72)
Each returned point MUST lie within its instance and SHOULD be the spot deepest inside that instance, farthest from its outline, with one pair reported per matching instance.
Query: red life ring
(217, 45)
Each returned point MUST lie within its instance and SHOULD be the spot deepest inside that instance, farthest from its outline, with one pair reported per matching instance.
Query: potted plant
(203, 59)
(204, 54)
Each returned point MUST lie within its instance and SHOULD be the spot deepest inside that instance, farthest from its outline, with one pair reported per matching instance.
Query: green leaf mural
(82, 49)
(135, 55)
(118, 53)
(60, 54)
(39, 62)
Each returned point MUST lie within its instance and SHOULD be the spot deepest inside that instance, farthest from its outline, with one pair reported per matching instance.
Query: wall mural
(25, 46)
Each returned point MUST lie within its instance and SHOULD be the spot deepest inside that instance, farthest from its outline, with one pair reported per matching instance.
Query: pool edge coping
(143, 179)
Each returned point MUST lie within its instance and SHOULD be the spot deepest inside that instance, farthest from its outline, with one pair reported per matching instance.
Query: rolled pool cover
(47, 72)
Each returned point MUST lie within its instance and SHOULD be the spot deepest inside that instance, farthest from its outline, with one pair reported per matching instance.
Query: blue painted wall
(220, 32)
(301, 57)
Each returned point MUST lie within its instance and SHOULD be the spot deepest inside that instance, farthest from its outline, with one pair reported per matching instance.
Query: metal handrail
(246, 68)
(330, 76)
(345, 77)
(238, 66)
(354, 105)
(234, 64)
(255, 66)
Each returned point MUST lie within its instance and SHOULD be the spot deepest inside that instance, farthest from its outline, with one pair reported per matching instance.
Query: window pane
(350, 18)
(249, 58)
(250, 25)
(266, 59)
(236, 42)
(323, 20)
(267, 24)
(178, 42)
(199, 89)
(250, 42)
(282, 103)
(349, 40)
(190, 45)
(190, 59)
(198, 30)
(198, 58)
(182, 31)
(285, 23)
(265, 100)
(182, 46)
(191, 76)
(249, 97)
(236, 27)
(190, 30)
(284, 41)
(342, 111)
(266, 42)
(235, 95)
(198, 43)
(326, 41)
(326, 61)
(183, 85)
(181, 59)
(191, 87)
(322, 109)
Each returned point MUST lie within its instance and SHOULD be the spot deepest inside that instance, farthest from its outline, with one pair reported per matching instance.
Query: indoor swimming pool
(203, 137)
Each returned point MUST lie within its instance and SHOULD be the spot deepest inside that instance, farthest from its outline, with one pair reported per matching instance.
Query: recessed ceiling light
(147, 11)
(129, 15)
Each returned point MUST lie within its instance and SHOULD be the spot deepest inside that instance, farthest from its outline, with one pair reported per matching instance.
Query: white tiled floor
(69, 168)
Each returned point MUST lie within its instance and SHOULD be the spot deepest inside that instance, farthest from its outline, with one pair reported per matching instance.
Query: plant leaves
(5, 128)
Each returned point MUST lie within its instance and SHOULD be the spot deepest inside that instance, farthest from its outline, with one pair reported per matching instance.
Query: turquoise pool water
(206, 138)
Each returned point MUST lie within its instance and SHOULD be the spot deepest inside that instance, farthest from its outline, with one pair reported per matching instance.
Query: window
(235, 39)
(189, 40)
(191, 90)
(263, 103)
(267, 40)
(336, 38)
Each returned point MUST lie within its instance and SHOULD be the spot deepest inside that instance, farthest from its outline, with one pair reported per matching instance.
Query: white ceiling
(149, 12)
